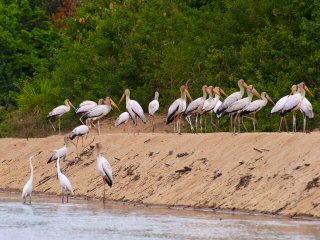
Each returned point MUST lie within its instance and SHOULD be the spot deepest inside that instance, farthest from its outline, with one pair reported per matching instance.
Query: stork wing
(153, 107)
(217, 106)
(58, 111)
(97, 111)
(292, 102)
(193, 105)
(237, 105)
(107, 168)
(174, 107)
(123, 118)
(85, 108)
(137, 109)
(306, 108)
(62, 153)
(280, 104)
(87, 102)
(230, 100)
(254, 106)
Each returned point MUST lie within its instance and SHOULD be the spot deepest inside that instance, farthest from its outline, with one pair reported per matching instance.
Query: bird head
(112, 103)
(126, 93)
(68, 102)
(184, 89)
(241, 82)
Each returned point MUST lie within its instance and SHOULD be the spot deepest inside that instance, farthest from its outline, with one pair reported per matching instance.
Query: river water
(47, 218)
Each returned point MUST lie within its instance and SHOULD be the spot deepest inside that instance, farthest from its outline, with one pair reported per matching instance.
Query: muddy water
(47, 218)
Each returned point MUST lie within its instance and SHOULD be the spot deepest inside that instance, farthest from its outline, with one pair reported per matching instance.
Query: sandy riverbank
(265, 172)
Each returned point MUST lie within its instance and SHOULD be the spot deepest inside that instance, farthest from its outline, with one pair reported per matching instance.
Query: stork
(133, 108)
(255, 107)
(62, 151)
(105, 170)
(177, 108)
(100, 111)
(230, 100)
(195, 107)
(280, 104)
(237, 106)
(58, 112)
(154, 107)
(86, 106)
(123, 118)
(294, 102)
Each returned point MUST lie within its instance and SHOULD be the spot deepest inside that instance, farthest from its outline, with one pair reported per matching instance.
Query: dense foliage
(156, 45)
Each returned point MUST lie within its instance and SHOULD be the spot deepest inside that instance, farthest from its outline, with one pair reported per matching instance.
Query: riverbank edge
(227, 211)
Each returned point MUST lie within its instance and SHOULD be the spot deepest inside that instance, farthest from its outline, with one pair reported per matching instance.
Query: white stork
(237, 106)
(86, 106)
(100, 111)
(64, 181)
(230, 100)
(123, 118)
(195, 107)
(280, 104)
(133, 108)
(154, 107)
(306, 109)
(58, 112)
(294, 102)
(177, 108)
(62, 151)
(255, 107)
(104, 168)
(27, 189)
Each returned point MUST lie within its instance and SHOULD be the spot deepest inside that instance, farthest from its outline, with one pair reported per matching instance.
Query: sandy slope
(266, 172)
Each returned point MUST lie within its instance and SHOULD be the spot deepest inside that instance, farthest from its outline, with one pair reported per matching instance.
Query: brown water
(47, 218)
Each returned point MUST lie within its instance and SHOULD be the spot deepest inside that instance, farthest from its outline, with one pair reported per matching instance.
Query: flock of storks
(233, 105)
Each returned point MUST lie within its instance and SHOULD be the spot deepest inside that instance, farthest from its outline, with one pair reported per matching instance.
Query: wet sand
(276, 173)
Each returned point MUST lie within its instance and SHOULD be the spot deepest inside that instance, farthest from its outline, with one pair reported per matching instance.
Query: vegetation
(107, 46)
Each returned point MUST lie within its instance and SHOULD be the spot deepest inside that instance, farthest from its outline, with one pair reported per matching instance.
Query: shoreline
(230, 212)
(264, 173)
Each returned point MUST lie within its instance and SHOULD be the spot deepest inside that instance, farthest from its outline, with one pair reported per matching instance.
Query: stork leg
(285, 121)
(174, 124)
(52, 124)
(104, 191)
(231, 122)
(62, 195)
(205, 123)
(280, 124)
(81, 118)
(67, 197)
(200, 122)
(254, 122)
(294, 122)
(180, 117)
(244, 126)
(188, 118)
(304, 123)
(59, 125)
(239, 125)
(30, 198)
(196, 123)
(153, 123)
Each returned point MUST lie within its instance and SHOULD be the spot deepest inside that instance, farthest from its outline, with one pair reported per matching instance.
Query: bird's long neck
(32, 171)
(128, 97)
(156, 97)
(58, 166)
(183, 95)
(217, 96)
(264, 99)
(241, 90)
(204, 96)
(250, 95)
